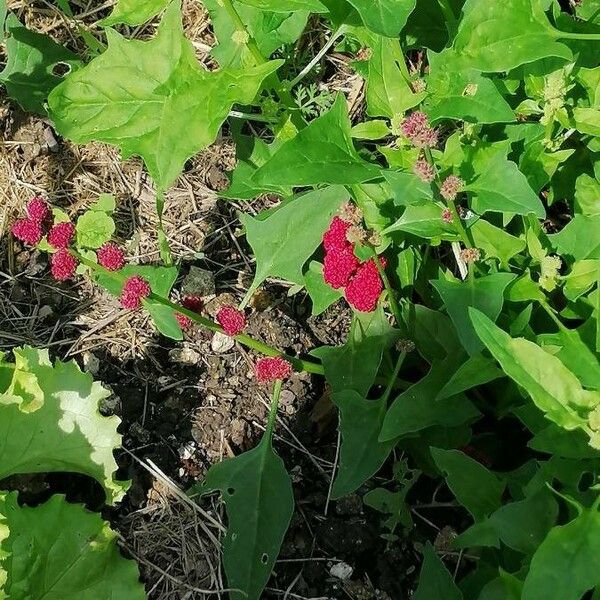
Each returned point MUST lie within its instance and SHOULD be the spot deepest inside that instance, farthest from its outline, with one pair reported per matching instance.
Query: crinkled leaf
(484, 293)
(576, 545)
(435, 582)
(320, 153)
(29, 72)
(134, 12)
(61, 551)
(287, 238)
(94, 228)
(579, 239)
(475, 371)
(499, 36)
(257, 492)
(50, 421)
(501, 187)
(152, 98)
(476, 488)
(386, 17)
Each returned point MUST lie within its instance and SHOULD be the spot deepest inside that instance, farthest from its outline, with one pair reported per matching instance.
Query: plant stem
(273, 410)
(390, 291)
(236, 114)
(393, 377)
(565, 35)
(552, 314)
(298, 363)
(241, 28)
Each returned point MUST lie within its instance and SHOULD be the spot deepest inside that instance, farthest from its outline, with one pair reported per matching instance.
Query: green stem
(273, 410)
(393, 377)
(299, 364)
(390, 291)
(565, 35)
(552, 314)
(241, 28)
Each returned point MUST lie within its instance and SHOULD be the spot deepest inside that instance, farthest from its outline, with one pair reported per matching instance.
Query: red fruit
(27, 231)
(272, 368)
(38, 210)
(111, 257)
(61, 234)
(339, 266)
(134, 291)
(335, 237)
(193, 303)
(364, 289)
(232, 320)
(63, 265)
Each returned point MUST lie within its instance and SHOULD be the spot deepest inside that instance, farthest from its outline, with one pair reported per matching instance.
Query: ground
(185, 406)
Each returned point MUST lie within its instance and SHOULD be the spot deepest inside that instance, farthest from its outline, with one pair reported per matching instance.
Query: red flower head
(272, 368)
(364, 289)
(111, 257)
(339, 266)
(193, 303)
(232, 320)
(335, 237)
(134, 291)
(63, 265)
(61, 234)
(28, 231)
(424, 171)
(38, 210)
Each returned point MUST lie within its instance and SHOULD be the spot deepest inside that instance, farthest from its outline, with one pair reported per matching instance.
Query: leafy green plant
(460, 220)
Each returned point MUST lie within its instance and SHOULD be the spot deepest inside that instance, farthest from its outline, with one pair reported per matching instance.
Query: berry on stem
(134, 291)
(28, 231)
(38, 210)
(272, 369)
(63, 265)
(335, 237)
(232, 320)
(111, 257)
(338, 267)
(364, 289)
(61, 235)
(193, 303)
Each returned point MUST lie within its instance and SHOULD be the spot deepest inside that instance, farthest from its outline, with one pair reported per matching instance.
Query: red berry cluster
(341, 268)
(193, 303)
(232, 320)
(272, 368)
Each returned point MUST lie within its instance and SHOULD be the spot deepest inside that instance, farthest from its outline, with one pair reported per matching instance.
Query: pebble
(221, 343)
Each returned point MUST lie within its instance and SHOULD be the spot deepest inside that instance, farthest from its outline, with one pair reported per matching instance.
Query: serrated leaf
(499, 36)
(476, 488)
(385, 17)
(321, 153)
(501, 187)
(50, 422)
(62, 551)
(288, 6)
(552, 387)
(287, 238)
(94, 229)
(28, 75)
(134, 12)
(152, 99)
(257, 492)
(579, 239)
(483, 293)
(435, 582)
(576, 544)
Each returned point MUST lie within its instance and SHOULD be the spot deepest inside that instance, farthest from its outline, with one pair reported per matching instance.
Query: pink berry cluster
(232, 320)
(424, 170)
(451, 186)
(417, 130)
(272, 369)
(341, 268)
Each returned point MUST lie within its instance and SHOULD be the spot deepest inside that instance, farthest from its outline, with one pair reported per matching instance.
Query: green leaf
(579, 239)
(134, 12)
(477, 370)
(499, 36)
(161, 281)
(361, 453)
(552, 387)
(566, 444)
(287, 6)
(587, 195)
(583, 276)
(287, 238)
(477, 489)
(321, 294)
(503, 188)
(576, 544)
(94, 229)
(152, 99)
(432, 332)
(435, 582)
(29, 72)
(3, 13)
(484, 293)
(424, 221)
(457, 91)
(371, 130)
(257, 492)
(504, 587)
(62, 551)
(408, 189)
(496, 242)
(386, 17)
(49, 422)
(320, 153)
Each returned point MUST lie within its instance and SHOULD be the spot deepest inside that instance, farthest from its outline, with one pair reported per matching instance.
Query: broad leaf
(424, 221)
(407, 188)
(320, 153)
(499, 36)
(94, 228)
(476, 488)
(435, 582)
(287, 6)
(257, 492)
(283, 241)
(579, 239)
(501, 187)
(62, 551)
(33, 58)
(476, 371)
(583, 276)
(386, 17)
(576, 544)
(50, 421)
(134, 12)
(496, 242)
(552, 387)
(484, 293)
(152, 99)
(321, 294)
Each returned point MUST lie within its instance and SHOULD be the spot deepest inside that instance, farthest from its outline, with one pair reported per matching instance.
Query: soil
(185, 406)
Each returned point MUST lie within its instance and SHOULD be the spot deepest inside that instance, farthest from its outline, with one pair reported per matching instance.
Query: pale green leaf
(579, 239)
(408, 189)
(321, 294)
(587, 195)
(287, 6)
(496, 242)
(386, 17)
(134, 12)
(582, 277)
(94, 228)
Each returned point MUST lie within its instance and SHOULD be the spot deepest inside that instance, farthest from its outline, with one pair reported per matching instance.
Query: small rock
(91, 364)
(221, 343)
(341, 570)
(198, 282)
(185, 356)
